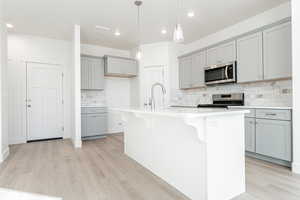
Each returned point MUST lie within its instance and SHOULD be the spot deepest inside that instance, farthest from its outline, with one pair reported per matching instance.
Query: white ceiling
(54, 18)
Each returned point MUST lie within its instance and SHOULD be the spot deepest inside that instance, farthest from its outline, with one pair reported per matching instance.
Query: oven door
(220, 74)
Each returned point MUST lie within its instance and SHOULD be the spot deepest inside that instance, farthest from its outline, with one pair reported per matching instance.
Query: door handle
(29, 106)
(226, 72)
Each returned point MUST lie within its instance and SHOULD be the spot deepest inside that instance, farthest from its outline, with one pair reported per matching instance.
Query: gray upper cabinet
(221, 54)
(197, 71)
(120, 67)
(92, 73)
(185, 67)
(250, 58)
(274, 138)
(191, 70)
(250, 134)
(278, 52)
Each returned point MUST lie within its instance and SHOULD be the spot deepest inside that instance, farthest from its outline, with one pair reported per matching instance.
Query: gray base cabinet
(250, 134)
(268, 135)
(93, 122)
(273, 138)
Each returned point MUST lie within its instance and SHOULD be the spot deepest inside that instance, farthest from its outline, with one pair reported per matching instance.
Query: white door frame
(62, 95)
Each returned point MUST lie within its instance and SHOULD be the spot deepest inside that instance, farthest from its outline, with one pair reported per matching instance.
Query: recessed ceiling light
(104, 28)
(191, 14)
(163, 31)
(117, 33)
(9, 25)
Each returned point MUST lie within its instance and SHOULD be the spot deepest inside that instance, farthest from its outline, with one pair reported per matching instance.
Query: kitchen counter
(245, 107)
(200, 152)
(93, 106)
(263, 107)
(182, 112)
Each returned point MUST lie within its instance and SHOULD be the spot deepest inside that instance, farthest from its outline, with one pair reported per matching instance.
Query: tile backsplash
(273, 93)
(90, 97)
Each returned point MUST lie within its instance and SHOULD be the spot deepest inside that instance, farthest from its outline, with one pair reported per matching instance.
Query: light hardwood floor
(100, 171)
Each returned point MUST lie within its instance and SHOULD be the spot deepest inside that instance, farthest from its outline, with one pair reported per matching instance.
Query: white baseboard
(4, 155)
(296, 168)
(77, 143)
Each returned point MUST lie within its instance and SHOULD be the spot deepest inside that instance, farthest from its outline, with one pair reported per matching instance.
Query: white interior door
(44, 101)
(154, 74)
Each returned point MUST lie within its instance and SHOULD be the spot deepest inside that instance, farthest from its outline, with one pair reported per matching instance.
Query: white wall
(23, 48)
(4, 150)
(296, 83)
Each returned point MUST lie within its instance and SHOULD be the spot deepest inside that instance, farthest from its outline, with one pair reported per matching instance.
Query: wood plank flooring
(100, 171)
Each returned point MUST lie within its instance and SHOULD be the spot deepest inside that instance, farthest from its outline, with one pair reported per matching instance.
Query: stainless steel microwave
(220, 74)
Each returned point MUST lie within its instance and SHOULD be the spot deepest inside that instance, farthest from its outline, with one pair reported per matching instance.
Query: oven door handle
(226, 72)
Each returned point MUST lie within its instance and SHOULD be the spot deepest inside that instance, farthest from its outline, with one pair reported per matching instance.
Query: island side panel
(170, 149)
(225, 156)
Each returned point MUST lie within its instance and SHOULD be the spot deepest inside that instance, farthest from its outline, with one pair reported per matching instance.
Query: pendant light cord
(139, 27)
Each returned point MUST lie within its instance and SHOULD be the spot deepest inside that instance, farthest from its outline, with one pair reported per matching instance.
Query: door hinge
(62, 74)
(62, 101)
(62, 128)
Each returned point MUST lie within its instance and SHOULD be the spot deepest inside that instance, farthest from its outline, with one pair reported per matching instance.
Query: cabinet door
(92, 73)
(185, 65)
(96, 124)
(83, 125)
(273, 138)
(197, 71)
(212, 56)
(129, 67)
(85, 75)
(250, 58)
(250, 134)
(227, 52)
(278, 52)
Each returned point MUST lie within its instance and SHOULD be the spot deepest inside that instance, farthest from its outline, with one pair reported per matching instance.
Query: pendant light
(139, 51)
(178, 32)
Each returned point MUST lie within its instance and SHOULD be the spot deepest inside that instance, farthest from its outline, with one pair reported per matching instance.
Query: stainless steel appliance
(225, 100)
(220, 74)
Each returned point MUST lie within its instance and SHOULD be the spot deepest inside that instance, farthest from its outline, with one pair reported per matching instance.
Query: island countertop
(182, 112)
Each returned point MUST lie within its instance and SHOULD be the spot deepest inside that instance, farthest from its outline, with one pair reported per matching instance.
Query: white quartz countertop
(6, 194)
(245, 107)
(263, 107)
(182, 112)
(93, 106)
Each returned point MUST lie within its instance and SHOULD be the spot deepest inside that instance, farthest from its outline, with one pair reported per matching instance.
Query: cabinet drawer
(274, 114)
(251, 114)
(87, 110)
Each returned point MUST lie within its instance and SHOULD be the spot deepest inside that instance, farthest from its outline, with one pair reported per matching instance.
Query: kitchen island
(198, 151)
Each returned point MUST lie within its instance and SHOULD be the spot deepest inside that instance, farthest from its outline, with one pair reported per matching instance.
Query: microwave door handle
(226, 72)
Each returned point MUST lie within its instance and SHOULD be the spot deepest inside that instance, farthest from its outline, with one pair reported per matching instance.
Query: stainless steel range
(225, 100)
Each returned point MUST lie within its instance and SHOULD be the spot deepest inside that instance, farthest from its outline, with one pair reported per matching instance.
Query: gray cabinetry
(191, 70)
(185, 67)
(250, 58)
(120, 67)
(92, 73)
(250, 134)
(93, 122)
(278, 52)
(221, 54)
(273, 138)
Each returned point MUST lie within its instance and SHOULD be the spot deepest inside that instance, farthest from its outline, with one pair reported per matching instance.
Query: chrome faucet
(152, 93)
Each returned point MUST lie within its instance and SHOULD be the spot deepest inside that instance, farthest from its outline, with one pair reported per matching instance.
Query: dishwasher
(93, 122)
